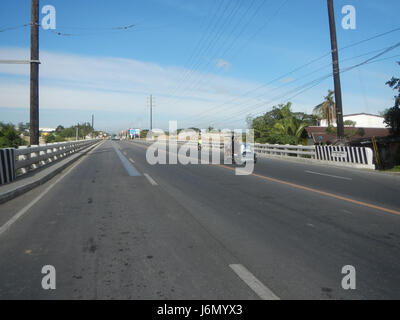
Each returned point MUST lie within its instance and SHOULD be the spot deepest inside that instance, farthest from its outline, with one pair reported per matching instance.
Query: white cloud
(78, 82)
(222, 64)
(287, 80)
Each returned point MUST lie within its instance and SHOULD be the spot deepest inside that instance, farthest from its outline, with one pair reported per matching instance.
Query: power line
(301, 89)
(268, 21)
(220, 25)
(316, 82)
(15, 27)
(198, 82)
(290, 73)
(115, 28)
(311, 73)
(211, 26)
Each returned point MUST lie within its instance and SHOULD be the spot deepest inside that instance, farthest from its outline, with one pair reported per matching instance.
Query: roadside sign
(339, 154)
(134, 133)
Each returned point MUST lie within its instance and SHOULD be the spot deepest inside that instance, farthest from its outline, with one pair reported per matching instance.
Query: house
(369, 125)
(49, 130)
(362, 120)
(319, 134)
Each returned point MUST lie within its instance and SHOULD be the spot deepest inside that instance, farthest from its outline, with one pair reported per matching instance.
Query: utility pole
(34, 75)
(77, 132)
(151, 112)
(233, 147)
(92, 126)
(336, 73)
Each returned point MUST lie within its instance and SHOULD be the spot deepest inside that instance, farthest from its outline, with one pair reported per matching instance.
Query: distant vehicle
(243, 153)
(247, 153)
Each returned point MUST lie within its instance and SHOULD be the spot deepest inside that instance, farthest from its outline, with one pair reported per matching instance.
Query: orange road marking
(328, 194)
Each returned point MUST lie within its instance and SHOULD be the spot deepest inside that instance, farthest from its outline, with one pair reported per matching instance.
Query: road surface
(116, 227)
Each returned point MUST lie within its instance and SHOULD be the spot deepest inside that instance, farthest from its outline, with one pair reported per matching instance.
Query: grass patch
(394, 169)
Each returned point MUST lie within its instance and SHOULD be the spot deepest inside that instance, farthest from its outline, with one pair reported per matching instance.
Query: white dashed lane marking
(256, 285)
(151, 180)
(328, 175)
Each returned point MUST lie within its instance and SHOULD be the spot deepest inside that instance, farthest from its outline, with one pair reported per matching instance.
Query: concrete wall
(362, 121)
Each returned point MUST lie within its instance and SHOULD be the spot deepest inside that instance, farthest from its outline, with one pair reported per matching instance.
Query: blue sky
(199, 59)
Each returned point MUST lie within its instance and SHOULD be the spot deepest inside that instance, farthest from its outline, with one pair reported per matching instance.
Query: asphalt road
(116, 227)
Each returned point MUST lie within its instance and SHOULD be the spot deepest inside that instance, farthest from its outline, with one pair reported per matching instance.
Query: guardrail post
(21, 158)
(49, 151)
(54, 150)
(299, 150)
(42, 162)
(34, 155)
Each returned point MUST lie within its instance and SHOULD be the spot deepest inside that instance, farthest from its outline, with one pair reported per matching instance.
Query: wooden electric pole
(336, 73)
(34, 75)
(92, 126)
(151, 112)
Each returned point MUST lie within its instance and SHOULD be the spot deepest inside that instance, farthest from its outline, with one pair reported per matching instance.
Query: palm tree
(289, 124)
(327, 109)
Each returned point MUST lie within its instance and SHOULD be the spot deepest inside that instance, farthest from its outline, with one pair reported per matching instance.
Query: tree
(23, 128)
(281, 125)
(289, 125)
(392, 115)
(263, 125)
(349, 132)
(59, 129)
(327, 109)
(143, 133)
(9, 136)
(349, 123)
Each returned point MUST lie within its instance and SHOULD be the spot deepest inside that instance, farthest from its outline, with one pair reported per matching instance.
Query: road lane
(294, 240)
(111, 235)
(365, 186)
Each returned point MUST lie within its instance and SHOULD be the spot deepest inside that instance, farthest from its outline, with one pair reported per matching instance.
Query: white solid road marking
(131, 160)
(256, 285)
(130, 169)
(328, 175)
(151, 180)
(25, 209)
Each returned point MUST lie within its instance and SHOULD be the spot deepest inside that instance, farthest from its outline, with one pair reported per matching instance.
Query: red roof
(319, 135)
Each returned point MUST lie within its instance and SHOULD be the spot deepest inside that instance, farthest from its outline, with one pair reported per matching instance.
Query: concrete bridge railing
(15, 162)
(358, 157)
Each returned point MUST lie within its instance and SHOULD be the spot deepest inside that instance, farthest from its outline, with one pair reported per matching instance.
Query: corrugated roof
(319, 134)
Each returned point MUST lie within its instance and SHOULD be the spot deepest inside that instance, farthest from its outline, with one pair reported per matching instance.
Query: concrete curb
(11, 194)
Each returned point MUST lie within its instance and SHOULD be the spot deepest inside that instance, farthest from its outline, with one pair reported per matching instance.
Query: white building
(362, 120)
(47, 129)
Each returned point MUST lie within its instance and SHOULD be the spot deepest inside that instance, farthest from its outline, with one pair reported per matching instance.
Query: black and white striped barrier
(357, 156)
(7, 165)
